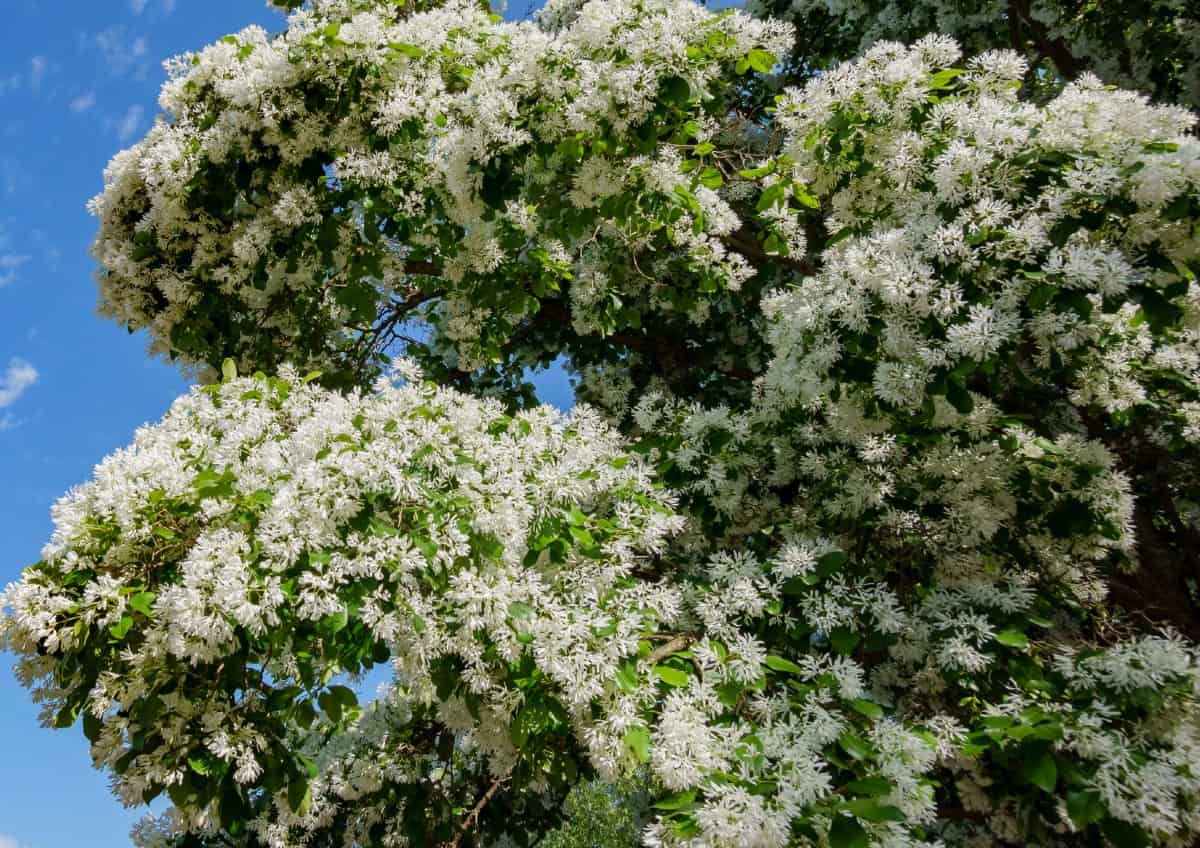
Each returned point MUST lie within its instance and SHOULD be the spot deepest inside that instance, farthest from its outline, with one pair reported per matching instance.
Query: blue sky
(78, 81)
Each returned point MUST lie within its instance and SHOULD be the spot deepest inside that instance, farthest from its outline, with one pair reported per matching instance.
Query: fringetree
(1149, 45)
(877, 525)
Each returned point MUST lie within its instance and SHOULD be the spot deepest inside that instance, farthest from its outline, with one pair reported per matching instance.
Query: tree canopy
(876, 524)
(1149, 45)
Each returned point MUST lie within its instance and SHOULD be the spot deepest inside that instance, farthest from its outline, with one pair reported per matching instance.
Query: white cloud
(37, 71)
(9, 263)
(168, 6)
(137, 6)
(120, 52)
(81, 104)
(7, 841)
(13, 383)
(128, 126)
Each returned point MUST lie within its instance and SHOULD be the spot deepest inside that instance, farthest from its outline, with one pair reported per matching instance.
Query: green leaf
(958, 397)
(711, 178)
(310, 765)
(774, 194)
(844, 640)
(675, 90)
(1085, 807)
(530, 720)
(869, 786)
(67, 715)
(831, 561)
(627, 676)
(334, 623)
(637, 740)
(199, 765)
(761, 60)
(805, 197)
(677, 801)
(868, 708)
(299, 795)
(519, 610)
(671, 676)
(229, 370)
(1124, 835)
(487, 545)
(304, 714)
(344, 695)
(121, 628)
(405, 49)
(143, 602)
(869, 809)
(944, 79)
(1012, 639)
(846, 832)
(1041, 770)
(331, 706)
(854, 745)
(784, 665)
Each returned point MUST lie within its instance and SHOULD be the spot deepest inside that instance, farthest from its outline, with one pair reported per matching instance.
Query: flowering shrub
(892, 398)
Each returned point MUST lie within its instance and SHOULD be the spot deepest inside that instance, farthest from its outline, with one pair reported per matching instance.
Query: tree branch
(752, 250)
(677, 644)
(1055, 50)
(418, 266)
(472, 818)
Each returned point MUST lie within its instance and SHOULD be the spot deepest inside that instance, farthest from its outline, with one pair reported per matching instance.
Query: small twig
(677, 644)
(473, 817)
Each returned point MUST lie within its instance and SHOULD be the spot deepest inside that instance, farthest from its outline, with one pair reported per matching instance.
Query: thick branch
(417, 266)
(752, 250)
(1055, 50)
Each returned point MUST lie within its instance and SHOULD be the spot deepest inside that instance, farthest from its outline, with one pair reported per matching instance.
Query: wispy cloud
(13, 383)
(37, 72)
(120, 51)
(9, 264)
(82, 103)
(127, 126)
(139, 6)
(7, 841)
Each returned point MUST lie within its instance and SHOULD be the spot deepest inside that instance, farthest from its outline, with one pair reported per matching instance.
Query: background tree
(894, 387)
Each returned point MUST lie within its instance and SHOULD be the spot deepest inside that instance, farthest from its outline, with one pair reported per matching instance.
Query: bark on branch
(472, 818)
(1054, 49)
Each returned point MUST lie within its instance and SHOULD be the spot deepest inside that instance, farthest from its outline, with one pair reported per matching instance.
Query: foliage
(893, 386)
(1149, 45)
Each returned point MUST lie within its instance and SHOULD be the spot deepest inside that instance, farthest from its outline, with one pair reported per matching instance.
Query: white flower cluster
(1152, 46)
(272, 525)
(486, 150)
